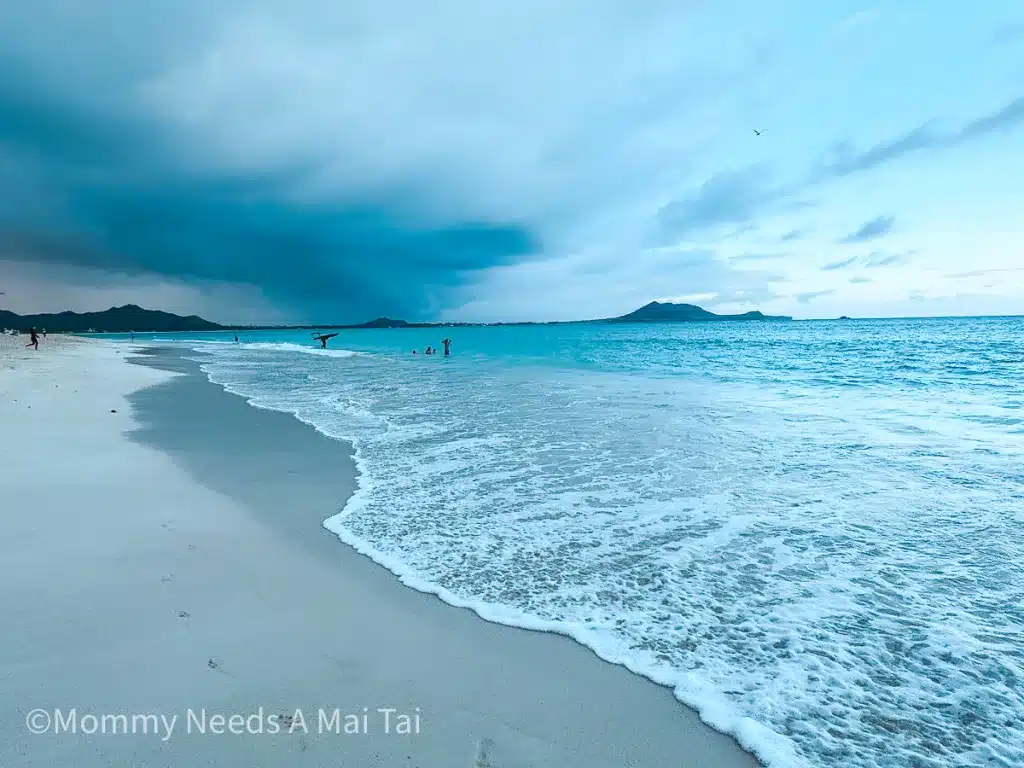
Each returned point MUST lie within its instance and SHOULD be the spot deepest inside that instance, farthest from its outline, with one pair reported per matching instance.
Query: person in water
(428, 351)
(34, 339)
(323, 337)
(447, 343)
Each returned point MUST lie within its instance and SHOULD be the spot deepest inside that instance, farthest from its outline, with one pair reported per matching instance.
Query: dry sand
(162, 554)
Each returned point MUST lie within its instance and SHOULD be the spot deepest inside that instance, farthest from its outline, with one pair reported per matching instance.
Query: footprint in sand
(215, 665)
(167, 578)
(286, 722)
(483, 754)
(191, 547)
(183, 614)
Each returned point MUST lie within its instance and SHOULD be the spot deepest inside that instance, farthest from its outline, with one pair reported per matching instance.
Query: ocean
(812, 531)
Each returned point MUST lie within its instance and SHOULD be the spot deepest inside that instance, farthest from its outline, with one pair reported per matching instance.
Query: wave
(774, 750)
(183, 340)
(771, 748)
(285, 346)
(680, 530)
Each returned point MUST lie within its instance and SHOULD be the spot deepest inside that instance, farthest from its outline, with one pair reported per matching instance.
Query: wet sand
(169, 558)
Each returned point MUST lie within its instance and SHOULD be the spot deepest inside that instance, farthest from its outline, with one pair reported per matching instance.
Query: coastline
(214, 509)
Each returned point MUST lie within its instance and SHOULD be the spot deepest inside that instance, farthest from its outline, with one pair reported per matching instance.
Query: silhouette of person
(34, 342)
(323, 337)
(447, 343)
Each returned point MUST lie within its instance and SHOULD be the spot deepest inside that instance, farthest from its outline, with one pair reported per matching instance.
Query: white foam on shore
(773, 749)
(692, 537)
(289, 347)
(124, 554)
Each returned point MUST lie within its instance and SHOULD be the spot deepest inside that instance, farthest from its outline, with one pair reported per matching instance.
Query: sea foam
(814, 538)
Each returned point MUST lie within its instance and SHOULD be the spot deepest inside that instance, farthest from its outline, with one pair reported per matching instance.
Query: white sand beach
(162, 555)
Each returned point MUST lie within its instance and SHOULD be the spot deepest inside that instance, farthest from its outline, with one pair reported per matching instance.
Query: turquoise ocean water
(813, 531)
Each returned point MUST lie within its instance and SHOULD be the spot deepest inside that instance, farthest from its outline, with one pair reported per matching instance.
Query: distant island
(114, 320)
(667, 312)
(131, 318)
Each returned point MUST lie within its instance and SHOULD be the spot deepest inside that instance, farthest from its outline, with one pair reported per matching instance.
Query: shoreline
(277, 611)
(755, 739)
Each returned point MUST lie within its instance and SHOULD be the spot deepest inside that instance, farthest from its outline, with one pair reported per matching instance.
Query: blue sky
(323, 161)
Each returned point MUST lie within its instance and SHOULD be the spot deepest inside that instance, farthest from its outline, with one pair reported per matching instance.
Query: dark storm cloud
(104, 192)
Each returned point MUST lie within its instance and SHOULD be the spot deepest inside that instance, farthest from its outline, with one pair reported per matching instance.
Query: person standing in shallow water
(323, 337)
(34, 339)
(447, 343)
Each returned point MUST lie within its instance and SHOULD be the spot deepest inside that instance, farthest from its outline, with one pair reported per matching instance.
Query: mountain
(667, 312)
(133, 318)
(114, 320)
(383, 322)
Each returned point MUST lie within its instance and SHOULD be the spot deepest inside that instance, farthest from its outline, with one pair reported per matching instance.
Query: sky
(317, 161)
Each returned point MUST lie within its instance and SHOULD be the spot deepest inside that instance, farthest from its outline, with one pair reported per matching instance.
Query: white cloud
(579, 121)
(552, 113)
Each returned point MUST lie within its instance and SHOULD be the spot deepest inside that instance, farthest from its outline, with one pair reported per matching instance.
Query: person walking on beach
(34, 339)
(133, 335)
(447, 343)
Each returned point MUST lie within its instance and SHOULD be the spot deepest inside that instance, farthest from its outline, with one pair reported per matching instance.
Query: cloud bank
(337, 161)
